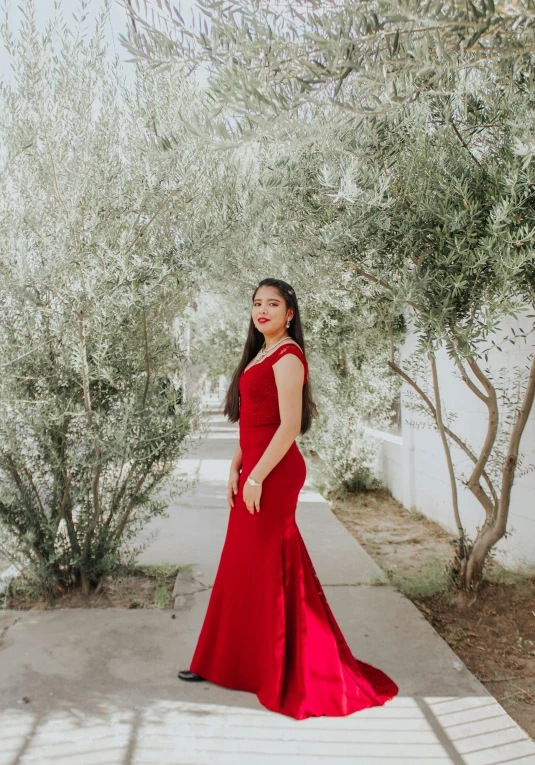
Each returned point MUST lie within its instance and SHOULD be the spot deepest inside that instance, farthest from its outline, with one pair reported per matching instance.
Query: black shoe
(186, 674)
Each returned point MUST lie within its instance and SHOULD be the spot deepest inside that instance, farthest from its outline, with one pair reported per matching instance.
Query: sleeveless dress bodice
(259, 401)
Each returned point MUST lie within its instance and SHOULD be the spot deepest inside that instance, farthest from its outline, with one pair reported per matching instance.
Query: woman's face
(269, 305)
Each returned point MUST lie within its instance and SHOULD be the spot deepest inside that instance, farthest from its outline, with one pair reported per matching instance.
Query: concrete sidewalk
(102, 688)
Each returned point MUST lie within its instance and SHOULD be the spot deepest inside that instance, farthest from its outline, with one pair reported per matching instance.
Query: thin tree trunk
(147, 357)
(124, 520)
(461, 547)
(35, 521)
(491, 533)
(96, 478)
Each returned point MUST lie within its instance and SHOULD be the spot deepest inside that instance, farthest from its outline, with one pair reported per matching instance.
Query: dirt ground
(492, 632)
(143, 587)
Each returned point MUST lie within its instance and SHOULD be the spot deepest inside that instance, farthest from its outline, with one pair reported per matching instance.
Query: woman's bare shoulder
(278, 351)
(283, 350)
(291, 342)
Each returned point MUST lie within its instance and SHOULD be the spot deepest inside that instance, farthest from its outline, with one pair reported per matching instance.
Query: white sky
(44, 10)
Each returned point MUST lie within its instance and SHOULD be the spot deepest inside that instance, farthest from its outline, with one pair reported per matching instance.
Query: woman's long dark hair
(254, 342)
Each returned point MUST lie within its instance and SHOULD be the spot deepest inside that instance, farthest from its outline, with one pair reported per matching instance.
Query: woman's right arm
(237, 459)
(234, 476)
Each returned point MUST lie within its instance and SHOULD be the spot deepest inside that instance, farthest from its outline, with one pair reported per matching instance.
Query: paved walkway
(101, 684)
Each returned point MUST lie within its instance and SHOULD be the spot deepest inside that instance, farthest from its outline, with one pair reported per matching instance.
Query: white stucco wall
(414, 467)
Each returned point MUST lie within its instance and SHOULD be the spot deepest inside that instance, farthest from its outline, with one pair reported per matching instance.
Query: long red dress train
(268, 628)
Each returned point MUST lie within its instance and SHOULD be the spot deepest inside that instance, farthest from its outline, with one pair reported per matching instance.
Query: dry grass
(140, 587)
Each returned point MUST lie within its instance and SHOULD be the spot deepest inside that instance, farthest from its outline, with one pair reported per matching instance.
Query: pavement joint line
(485, 748)
(495, 730)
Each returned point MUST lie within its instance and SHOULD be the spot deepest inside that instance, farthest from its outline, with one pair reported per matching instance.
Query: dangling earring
(287, 323)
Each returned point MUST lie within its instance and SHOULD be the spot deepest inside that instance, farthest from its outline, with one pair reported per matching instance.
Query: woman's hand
(233, 479)
(251, 497)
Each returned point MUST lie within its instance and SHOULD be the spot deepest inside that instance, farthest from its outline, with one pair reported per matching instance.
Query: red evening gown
(268, 628)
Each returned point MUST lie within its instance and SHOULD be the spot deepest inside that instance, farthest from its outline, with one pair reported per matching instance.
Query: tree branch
(463, 142)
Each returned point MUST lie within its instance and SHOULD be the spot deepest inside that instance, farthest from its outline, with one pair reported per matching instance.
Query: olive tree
(265, 60)
(449, 233)
(102, 238)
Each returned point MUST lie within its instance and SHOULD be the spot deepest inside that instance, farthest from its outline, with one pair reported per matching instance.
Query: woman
(268, 627)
